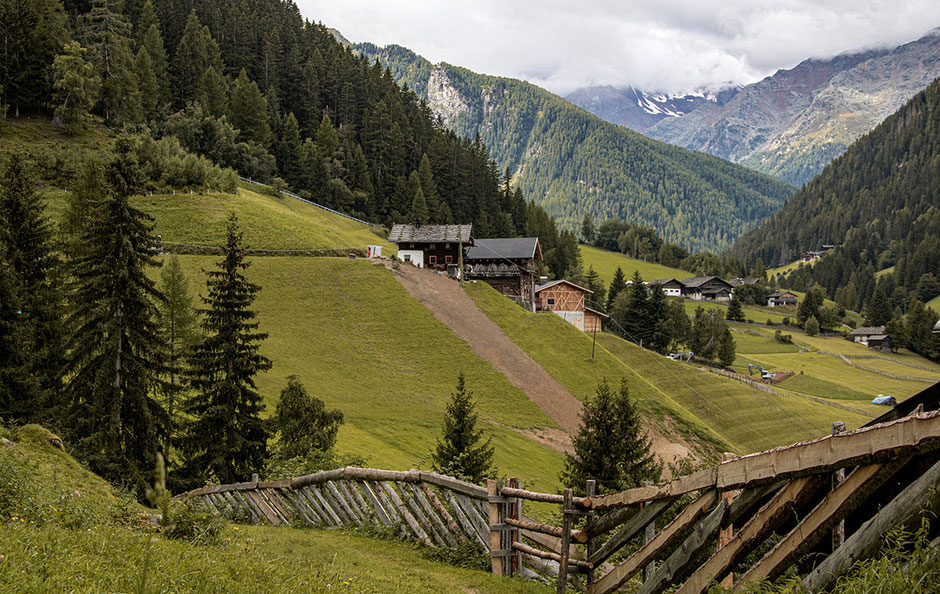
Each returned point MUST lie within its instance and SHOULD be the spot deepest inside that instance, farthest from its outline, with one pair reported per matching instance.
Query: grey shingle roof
(511, 248)
(868, 331)
(698, 281)
(430, 233)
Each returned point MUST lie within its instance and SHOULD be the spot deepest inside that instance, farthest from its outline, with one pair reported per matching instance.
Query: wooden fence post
(726, 534)
(492, 492)
(838, 532)
(589, 491)
(514, 512)
(648, 535)
(566, 508)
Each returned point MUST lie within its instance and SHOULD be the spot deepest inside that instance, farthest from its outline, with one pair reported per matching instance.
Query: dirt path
(451, 305)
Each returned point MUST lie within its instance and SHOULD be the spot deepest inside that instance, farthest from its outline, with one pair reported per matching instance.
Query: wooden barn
(509, 265)
(569, 301)
(781, 299)
(431, 246)
(706, 288)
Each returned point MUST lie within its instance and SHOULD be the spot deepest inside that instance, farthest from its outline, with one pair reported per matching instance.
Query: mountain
(638, 110)
(793, 123)
(573, 163)
(878, 202)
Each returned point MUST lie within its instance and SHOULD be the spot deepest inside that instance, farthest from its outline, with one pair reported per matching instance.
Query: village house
(872, 337)
(671, 287)
(740, 282)
(509, 265)
(568, 300)
(706, 288)
(431, 246)
(781, 299)
(811, 256)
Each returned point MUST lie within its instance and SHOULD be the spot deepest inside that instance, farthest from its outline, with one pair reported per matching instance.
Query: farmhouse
(706, 288)
(508, 265)
(868, 334)
(568, 300)
(811, 256)
(781, 299)
(740, 282)
(431, 246)
(671, 287)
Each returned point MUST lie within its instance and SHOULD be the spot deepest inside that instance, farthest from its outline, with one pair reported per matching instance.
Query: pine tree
(631, 311)
(76, 88)
(249, 110)
(726, 348)
(196, 53)
(735, 310)
(593, 282)
(16, 387)
(459, 452)
(26, 238)
(150, 38)
(178, 328)
(115, 350)
(611, 446)
(617, 284)
(147, 83)
(878, 309)
(303, 423)
(107, 34)
(419, 209)
(588, 231)
(429, 188)
(227, 438)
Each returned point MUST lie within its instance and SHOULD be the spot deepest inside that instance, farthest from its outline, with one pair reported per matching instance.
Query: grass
(358, 341)
(756, 315)
(269, 222)
(606, 262)
(934, 304)
(709, 409)
(806, 384)
(748, 340)
(787, 268)
(63, 529)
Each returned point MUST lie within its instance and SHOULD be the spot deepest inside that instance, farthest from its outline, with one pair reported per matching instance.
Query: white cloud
(673, 46)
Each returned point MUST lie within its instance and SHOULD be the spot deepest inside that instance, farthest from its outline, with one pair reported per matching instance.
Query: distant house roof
(715, 291)
(779, 294)
(430, 234)
(878, 337)
(737, 282)
(868, 331)
(698, 281)
(520, 248)
(595, 312)
(550, 284)
(665, 281)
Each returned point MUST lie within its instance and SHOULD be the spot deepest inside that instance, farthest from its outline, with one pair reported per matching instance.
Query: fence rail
(310, 202)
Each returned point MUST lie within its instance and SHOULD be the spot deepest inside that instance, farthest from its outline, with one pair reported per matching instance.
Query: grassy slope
(746, 419)
(606, 262)
(362, 344)
(934, 304)
(54, 541)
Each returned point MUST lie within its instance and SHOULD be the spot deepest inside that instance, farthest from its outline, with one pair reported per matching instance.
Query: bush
(786, 321)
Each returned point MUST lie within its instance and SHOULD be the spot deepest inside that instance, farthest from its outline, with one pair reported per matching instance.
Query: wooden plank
(263, 507)
(350, 500)
(827, 514)
(465, 522)
(353, 488)
(377, 475)
(278, 505)
(590, 489)
(702, 535)
(429, 512)
(524, 548)
(637, 522)
(610, 520)
(473, 514)
(649, 551)
(868, 445)
(377, 508)
(566, 506)
(402, 509)
(341, 502)
(242, 505)
(408, 497)
(326, 505)
(901, 511)
(577, 535)
(315, 505)
(496, 563)
(752, 533)
(448, 519)
(301, 503)
(390, 510)
(534, 496)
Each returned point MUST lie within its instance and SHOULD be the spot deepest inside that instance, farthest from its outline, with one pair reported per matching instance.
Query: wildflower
(234, 527)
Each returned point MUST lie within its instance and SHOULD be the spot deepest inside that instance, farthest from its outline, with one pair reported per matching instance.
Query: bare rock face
(444, 99)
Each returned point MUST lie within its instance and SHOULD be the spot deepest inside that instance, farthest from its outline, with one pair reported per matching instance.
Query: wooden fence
(830, 501)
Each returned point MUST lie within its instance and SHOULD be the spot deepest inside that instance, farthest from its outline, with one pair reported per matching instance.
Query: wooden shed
(509, 265)
(568, 300)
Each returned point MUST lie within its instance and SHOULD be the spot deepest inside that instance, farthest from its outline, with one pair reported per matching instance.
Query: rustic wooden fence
(820, 505)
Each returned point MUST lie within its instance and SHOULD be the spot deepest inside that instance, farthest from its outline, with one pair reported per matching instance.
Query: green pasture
(748, 340)
(606, 262)
(756, 315)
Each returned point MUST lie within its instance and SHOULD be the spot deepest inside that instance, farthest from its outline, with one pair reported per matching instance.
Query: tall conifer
(227, 437)
(459, 451)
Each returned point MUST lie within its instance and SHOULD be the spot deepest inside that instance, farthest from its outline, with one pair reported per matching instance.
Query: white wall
(416, 257)
(573, 317)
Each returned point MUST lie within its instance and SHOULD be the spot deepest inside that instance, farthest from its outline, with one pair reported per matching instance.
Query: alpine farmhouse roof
(550, 284)
(511, 248)
(868, 331)
(406, 233)
(698, 281)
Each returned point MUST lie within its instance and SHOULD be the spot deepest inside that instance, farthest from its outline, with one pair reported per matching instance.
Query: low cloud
(670, 47)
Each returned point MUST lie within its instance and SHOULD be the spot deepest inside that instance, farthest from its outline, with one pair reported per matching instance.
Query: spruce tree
(459, 452)
(429, 188)
(150, 38)
(735, 310)
(178, 328)
(76, 88)
(115, 350)
(147, 83)
(226, 438)
(878, 309)
(593, 282)
(16, 390)
(811, 326)
(617, 284)
(611, 446)
(303, 423)
(107, 37)
(249, 110)
(27, 240)
(419, 209)
(726, 348)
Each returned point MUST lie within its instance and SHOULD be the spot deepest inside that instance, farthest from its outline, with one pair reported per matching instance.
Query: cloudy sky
(671, 46)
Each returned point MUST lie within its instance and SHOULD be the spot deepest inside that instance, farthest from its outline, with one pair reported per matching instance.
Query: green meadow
(606, 262)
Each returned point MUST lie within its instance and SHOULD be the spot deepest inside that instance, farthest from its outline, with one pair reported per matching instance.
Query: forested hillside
(879, 202)
(253, 87)
(573, 163)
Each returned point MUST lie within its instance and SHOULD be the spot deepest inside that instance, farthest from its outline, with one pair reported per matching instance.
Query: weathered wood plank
(330, 487)
(534, 496)
(315, 505)
(343, 489)
(577, 535)
(753, 532)
(263, 508)
(524, 548)
(326, 505)
(649, 551)
(473, 514)
(377, 475)
(302, 504)
(867, 445)
(390, 510)
(610, 520)
(280, 508)
(566, 507)
(377, 508)
(353, 488)
(431, 514)
(402, 509)
(496, 563)
(408, 497)
(452, 526)
(869, 538)
(828, 513)
(636, 523)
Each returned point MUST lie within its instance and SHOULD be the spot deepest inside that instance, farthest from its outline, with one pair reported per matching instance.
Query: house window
(432, 260)
(448, 259)
(407, 257)
(411, 245)
(447, 246)
(551, 302)
(432, 246)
